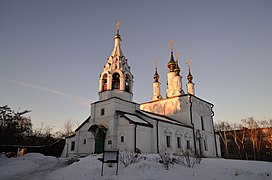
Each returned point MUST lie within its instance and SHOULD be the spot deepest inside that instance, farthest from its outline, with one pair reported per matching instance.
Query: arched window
(115, 81)
(104, 82)
(127, 83)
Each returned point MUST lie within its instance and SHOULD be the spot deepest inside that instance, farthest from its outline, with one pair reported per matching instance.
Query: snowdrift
(37, 166)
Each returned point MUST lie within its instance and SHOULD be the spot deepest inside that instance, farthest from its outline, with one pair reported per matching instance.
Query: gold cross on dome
(117, 25)
(171, 44)
(155, 62)
(177, 55)
(188, 63)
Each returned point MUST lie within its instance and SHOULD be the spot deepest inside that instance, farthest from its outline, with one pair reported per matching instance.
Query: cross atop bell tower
(117, 26)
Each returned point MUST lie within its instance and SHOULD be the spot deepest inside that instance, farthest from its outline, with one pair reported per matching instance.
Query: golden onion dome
(172, 63)
(177, 69)
(190, 77)
(156, 76)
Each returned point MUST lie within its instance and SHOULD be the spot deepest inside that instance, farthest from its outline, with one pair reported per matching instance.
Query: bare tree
(238, 141)
(265, 146)
(68, 127)
(252, 131)
(249, 139)
(223, 129)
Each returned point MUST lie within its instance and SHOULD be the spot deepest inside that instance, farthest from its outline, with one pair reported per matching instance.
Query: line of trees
(16, 129)
(249, 139)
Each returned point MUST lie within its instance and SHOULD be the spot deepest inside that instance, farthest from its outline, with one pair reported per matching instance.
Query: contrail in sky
(78, 99)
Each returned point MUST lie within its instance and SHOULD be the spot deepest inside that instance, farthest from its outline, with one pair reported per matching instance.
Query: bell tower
(116, 79)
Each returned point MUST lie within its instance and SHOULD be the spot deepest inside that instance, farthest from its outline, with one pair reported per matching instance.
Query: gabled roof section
(86, 121)
(73, 135)
(162, 118)
(201, 99)
(135, 119)
(114, 97)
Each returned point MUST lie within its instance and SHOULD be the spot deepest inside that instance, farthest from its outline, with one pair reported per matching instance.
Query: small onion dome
(190, 77)
(156, 76)
(177, 69)
(172, 63)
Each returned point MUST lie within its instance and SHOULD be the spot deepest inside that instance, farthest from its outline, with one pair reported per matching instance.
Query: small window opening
(73, 145)
(84, 141)
(102, 111)
(205, 145)
(168, 143)
(202, 123)
(122, 139)
(178, 142)
(188, 144)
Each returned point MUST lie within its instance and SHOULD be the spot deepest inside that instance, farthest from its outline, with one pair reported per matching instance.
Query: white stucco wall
(174, 131)
(202, 109)
(144, 139)
(128, 133)
(218, 145)
(67, 148)
(87, 147)
(111, 120)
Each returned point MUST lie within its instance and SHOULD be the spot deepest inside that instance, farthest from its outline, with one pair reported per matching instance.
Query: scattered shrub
(189, 158)
(186, 158)
(127, 158)
(166, 160)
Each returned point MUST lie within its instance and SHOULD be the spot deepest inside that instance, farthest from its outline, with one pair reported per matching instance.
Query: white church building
(173, 124)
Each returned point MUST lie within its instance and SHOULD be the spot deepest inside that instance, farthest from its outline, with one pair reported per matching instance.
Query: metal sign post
(110, 157)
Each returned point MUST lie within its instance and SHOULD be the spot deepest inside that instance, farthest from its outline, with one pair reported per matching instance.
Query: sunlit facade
(179, 122)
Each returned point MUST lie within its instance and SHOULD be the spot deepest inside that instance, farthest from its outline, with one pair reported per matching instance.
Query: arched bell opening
(127, 83)
(99, 132)
(115, 81)
(104, 82)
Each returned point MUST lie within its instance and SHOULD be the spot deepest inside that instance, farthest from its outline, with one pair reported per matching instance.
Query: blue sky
(52, 53)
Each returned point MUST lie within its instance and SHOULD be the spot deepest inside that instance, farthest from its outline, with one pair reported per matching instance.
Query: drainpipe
(158, 148)
(93, 112)
(200, 148)
(191, 117)
(67, 149)
(135, 146)
(94, 109)
(78, 140)
(104, 138)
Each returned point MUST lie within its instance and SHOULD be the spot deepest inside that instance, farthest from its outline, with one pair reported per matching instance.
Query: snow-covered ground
(37, 166)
